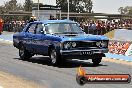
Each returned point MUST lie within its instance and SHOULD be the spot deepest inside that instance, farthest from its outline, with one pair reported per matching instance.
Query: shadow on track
(67, 63)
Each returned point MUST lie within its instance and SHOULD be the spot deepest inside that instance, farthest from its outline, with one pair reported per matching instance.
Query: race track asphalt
(39, 70)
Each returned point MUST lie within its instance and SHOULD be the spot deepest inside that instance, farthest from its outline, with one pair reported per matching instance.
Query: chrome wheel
(53, 57)
(21, 51)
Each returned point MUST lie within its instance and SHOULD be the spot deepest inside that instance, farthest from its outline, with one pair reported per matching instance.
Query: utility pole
(68, 10)
(38, 10)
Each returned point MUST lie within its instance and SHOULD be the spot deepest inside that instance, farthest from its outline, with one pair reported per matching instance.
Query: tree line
(75, 5)
(125, 10)
(78, 6)
(13, 5)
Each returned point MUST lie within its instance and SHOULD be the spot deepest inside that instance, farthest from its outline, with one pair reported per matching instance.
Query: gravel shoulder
(11, 81)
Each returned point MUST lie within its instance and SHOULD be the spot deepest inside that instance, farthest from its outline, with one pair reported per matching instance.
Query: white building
(48, 8)
(46, 2)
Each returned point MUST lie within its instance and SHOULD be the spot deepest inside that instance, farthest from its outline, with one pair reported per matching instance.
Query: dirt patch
(110, 34)
(11, 81)
(117, 61)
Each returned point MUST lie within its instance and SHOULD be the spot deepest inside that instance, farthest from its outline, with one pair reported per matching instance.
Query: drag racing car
(60, 40)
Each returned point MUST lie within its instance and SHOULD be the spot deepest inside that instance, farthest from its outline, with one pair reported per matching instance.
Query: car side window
(32, 28)
(46, 29)
(39, 28)
(52, 28)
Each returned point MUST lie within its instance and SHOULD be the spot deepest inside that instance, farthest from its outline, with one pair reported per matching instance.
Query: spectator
(52, 17)
(92, 27)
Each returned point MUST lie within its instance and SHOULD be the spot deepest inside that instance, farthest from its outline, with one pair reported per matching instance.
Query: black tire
(96, 61)
(55, 57)
(24, 54)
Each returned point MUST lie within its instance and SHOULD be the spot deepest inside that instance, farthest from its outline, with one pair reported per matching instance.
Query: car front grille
(82, 45)
(85, 45)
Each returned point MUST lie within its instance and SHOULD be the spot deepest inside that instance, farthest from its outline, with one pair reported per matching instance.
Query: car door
(30, 36)
(40, 39)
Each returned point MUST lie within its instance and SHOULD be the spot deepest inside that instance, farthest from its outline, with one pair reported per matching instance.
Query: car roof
(54, 21)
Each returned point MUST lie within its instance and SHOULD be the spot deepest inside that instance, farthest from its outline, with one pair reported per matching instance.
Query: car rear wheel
(23, 53)
(55, 58)
(96, 61)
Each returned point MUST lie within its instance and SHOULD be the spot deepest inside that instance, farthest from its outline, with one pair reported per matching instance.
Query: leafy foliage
(28, 5)
(11, 5)
(8, 6)
(125, 10)
(76, 5)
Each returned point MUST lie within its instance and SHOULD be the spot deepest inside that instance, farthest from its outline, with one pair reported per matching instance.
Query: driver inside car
(67, 28)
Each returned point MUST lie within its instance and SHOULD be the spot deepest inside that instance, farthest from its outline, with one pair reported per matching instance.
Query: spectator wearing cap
(32, 19)
(52, 17)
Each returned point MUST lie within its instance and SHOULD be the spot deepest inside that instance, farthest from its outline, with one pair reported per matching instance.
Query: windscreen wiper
(70, 32)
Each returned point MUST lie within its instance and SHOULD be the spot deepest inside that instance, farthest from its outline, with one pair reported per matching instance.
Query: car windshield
(63, 28)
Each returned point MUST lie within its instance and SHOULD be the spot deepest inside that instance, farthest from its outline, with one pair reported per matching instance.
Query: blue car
(60, 40)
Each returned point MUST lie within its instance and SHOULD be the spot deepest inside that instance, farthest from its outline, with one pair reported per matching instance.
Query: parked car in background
(60, 40)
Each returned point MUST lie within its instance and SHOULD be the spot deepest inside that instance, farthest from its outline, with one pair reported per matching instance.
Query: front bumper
(83, 54)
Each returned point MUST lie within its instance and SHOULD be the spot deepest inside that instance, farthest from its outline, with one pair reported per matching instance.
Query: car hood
(81, 37)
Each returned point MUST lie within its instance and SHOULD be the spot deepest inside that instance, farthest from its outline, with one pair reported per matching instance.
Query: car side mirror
(82, 29)
(42, 32)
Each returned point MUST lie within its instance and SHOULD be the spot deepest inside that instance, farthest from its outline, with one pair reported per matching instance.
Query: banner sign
(118, 47)
(129, 51)
(83, 78)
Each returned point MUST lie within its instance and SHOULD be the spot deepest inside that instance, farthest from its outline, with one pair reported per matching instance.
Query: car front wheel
(55, 58)
(96, 61)
(23, 53)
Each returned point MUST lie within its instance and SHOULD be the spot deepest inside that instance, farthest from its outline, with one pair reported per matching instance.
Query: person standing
(1, 26)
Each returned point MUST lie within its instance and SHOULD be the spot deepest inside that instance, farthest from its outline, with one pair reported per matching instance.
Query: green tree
(12, 5)
(28, 5)
(125, 10)
(76, 5)
(9, 6)
(121, 10)
(88, 5)
(130, 11)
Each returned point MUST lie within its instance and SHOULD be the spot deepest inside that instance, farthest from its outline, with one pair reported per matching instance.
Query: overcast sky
(110, 6)
(100, 6)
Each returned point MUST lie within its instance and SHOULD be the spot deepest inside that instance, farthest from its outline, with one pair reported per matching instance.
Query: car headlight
(104, 44)
(67, 45)
(98, 43)
(74, 44)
